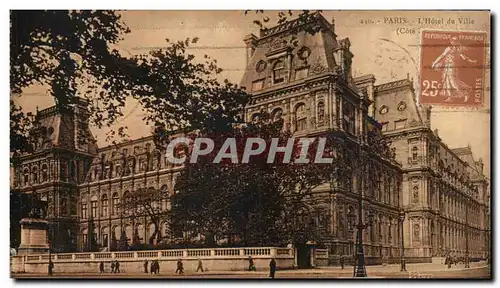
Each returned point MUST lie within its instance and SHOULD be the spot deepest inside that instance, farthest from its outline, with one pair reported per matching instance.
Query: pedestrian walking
(153, 267)
(251, 265)
(101, 267)
(51, 267)
(342, 261)
(200, 266)
(180, 267)
(146, 267)
(112, 267)
(117, 267)
(272, 268)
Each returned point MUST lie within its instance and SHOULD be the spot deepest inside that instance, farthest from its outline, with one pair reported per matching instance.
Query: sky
(376, 38)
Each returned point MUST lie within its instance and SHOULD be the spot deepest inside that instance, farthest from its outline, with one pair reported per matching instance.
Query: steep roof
(313, 51)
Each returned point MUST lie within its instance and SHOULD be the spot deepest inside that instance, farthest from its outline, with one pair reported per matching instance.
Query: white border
(220, 4)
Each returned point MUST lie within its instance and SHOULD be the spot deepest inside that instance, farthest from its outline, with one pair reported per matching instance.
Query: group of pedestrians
(115, 267)
(155, 267)
(272, 266)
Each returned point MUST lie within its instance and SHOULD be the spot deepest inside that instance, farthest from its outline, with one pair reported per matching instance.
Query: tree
(148, 203)
(72, 51)
(253, 200)
(65, 51)
(92, 245)
(123, 242)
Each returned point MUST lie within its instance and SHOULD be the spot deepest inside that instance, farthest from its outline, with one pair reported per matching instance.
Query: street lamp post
(360, 268)
(402, 220)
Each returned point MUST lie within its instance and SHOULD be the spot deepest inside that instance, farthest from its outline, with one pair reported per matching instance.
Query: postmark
(452, 66)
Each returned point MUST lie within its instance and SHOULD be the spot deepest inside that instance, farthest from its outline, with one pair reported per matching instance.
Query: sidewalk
(378, 271)
(412, 267)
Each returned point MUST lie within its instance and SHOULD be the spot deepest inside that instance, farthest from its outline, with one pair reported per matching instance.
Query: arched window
(26, 176)
(64, 171)
(279, 72)
(277, 114)
(321, 111)
(93, 207)
(126, 199)
(140, 233)
(116, 203)
(44, 176)
(129, 233)
(34, 173)
(256, 118)
(104, 236)
(64, 206)
(300, 117)
(104, 205)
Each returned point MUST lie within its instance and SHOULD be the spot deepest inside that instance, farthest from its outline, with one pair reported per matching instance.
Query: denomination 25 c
(433, 86)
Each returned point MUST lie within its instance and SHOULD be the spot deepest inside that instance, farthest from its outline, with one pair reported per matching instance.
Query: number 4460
(434, 87)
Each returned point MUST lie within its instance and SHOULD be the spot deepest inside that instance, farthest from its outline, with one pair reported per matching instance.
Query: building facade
(445, 193)
(305, 79)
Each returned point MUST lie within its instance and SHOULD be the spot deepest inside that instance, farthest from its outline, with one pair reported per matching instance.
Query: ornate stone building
(445, 193)
(306, 79)
(59, 163)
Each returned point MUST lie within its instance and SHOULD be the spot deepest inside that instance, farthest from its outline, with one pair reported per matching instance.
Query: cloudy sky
(378, 42)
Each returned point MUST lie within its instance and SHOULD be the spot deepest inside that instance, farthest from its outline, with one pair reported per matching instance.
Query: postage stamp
(452, 67)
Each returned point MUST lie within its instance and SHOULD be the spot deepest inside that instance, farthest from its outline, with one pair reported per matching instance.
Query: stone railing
(214, 259)
(209, 253)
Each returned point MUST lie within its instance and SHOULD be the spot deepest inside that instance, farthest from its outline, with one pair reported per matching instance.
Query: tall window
(116, 203)
(126, 199)
(93, 208)
(348, 117)
(84, 210)
(64, 206)
(26, 177)
(104, 205)
(414, 153)
(44, 174)
(321, 112)
(279, 72)
(64, 171)
(300, 117)
(84, 238)
(34, 173)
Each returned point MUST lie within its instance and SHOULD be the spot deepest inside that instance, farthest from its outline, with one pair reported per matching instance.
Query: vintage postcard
(250, 144)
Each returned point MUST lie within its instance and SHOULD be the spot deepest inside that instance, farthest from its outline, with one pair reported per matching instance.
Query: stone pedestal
(33, 236)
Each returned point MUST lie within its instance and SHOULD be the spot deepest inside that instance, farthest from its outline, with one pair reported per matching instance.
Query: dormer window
(279, 71)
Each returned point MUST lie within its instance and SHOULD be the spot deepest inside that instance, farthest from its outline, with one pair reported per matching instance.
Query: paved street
(422, 270)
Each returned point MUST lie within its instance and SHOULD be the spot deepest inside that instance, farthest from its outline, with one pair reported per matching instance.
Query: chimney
(428, 116)
(251, 43)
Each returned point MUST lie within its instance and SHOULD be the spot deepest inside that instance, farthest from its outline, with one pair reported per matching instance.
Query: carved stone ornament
(304, 53)
(261, 66)
(416, 231)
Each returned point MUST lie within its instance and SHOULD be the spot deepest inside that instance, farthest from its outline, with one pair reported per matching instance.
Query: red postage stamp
(452, 65)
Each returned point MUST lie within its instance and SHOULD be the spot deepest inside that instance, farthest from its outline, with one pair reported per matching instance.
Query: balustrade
(264, 252)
